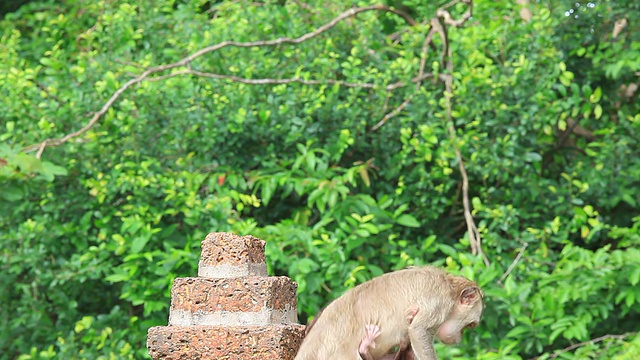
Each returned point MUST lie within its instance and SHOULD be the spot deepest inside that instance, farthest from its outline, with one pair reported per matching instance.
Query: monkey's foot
(369, 341)
(412, 313)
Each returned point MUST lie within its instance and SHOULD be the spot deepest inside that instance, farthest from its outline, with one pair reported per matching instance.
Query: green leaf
(532, 157)
(634, 277)
(408, 221)
(139, 243)
(517, 331)
(596, 96)
(597, 111)
(115, 278)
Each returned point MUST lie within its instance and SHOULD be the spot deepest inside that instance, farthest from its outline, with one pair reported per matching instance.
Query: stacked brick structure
(232, 310)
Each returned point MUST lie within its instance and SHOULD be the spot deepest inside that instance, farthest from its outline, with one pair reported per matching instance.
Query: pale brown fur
(384, 301)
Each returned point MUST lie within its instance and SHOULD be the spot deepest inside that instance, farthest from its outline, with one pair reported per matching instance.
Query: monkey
(456, 304)
(312, 322)
(446, 305)
(371, 333)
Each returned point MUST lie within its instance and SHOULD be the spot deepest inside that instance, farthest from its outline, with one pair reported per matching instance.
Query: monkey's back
(382, 301)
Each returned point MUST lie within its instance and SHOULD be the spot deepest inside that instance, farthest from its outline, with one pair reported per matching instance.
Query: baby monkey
(404, 309)
(373, 331)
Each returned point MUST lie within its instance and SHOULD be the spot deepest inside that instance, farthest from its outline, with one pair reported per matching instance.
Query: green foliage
(95, 228)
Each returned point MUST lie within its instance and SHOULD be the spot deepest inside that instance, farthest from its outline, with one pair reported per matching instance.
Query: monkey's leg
(369, 341)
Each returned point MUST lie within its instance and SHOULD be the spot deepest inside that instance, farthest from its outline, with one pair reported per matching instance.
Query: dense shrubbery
(546, 118)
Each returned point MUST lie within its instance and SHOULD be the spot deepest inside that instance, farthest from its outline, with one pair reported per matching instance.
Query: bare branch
(438, 26)
(448, 19)
(187, 60)
(402, 14)
(472, 230)
(41, 149)
(262, 81)
(393, 113)
(270, 81)
(513, 264)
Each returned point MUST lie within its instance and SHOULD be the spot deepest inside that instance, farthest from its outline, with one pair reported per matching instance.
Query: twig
(304, 5)
(397, 36)
(393, 113)
(438, 26)
(592, 341)
(41, 149)
(475, 240)
(448, 19)
(417, 80)
(49, 94)
(92, 28)
(187, 60)
(271, 81)
(423, 61)
(244, 3)
(513, 264)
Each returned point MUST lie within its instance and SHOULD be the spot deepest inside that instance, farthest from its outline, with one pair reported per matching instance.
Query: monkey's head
(465, 314)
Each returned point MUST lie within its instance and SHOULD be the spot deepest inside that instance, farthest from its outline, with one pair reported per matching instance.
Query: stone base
(271, 342)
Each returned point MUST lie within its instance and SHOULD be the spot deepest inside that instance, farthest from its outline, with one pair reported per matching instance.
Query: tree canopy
(496, 139)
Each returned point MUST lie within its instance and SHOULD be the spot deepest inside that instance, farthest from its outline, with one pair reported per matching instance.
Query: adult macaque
(375, 314)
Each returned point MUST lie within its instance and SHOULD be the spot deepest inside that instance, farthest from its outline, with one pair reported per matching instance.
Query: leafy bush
(333, 149)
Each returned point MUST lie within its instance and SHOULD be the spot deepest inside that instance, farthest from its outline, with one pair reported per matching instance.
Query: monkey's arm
(421, 336)
(422, 343)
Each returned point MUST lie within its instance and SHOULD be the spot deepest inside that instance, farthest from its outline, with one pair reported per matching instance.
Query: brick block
(252, 300)
(226, 255)
(273, 342)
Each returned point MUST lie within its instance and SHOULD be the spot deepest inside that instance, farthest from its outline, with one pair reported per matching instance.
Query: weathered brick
(252, 300)
(225, 343)
(228, 255)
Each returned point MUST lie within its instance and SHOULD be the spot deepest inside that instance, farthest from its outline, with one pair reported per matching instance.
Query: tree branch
(272, 81)
(438, 26)
(472, 230)
(448, 19)
(423, 61)
(187, 60)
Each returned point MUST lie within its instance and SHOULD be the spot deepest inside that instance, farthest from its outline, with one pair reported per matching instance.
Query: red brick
(229, 255)
(225, 343)
(252, 300)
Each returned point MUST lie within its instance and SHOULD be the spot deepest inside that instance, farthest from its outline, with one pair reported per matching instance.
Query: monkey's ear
(469, 295)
